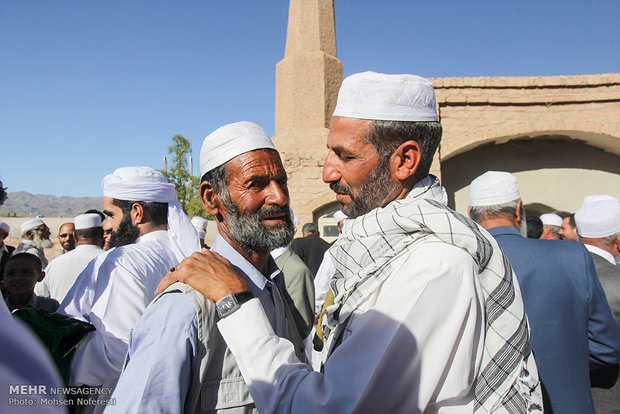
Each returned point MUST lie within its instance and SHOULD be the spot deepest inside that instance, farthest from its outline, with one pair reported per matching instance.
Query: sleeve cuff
(246, 326)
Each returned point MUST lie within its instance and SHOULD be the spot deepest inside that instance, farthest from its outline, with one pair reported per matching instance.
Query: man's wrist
(231, 302)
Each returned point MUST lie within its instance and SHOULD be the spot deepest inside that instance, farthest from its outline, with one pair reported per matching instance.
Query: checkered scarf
(364, 256)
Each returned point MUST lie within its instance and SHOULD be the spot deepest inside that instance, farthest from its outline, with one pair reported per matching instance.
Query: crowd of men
(414, 308)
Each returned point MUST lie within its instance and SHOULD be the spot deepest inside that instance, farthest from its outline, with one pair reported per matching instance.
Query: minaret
(307, 83)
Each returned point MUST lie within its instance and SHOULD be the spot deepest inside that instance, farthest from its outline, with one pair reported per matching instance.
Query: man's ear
(138, 214)
(518, 213)
(210, 198)
(406, 160)
(41, 276)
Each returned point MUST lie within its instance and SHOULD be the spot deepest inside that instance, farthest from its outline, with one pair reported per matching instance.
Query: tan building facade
(560, 135)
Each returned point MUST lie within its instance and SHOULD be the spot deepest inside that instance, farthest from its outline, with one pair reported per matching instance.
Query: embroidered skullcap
(87, 221)
(146, 184)
(5, 227)
(551, 219)
(493, 188)
(597, 197)
(598, 219)
(200, 224)
(31, 224)
(378, 96)
(339, 215)
(225, 143)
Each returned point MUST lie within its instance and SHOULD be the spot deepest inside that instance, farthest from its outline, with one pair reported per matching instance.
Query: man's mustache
(341, 189)
(274, 210)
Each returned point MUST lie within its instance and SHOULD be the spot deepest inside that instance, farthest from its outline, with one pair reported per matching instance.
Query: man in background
(5, 250)
(572, 326)
(35, 238)
(310, 248)
(66, 237)
(552, 223)
(61, 273)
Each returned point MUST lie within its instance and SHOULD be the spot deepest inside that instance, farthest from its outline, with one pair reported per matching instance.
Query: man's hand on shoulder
(209, 273)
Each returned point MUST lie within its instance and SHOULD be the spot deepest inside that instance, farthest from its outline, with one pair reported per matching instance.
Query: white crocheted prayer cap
(87, 221)
(200, 224)
(598, 219)
(379, 96)
(31, 224)
(551, 219)
(146, 184)
(597, 197)
(4, 226)
(493, 188)
(225, 143)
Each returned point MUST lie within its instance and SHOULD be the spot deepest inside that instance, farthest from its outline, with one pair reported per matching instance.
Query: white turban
(87, 221)
(200, 224)
(146, 184)
(493, 188)
(596, 197)
(598, 219)
(551, 219)
(31, 225)
(225, 143)
(378, 96)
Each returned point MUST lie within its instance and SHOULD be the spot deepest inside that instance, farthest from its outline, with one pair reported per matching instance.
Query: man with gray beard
(177, 360)
(35, 238)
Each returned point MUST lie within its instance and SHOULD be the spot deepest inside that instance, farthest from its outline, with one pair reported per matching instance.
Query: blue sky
(89, 86)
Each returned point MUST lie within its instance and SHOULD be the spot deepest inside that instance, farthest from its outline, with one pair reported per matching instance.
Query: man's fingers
(167, 280)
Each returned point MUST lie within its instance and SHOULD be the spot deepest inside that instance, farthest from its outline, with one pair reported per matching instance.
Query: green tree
(185, 183)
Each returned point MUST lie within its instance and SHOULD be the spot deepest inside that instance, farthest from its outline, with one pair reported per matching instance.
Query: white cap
(551, 219)
(378, 96)
(339, 215)
(87, 221)
(225, 143)
(598, 219)
(596, 197)
(200, 224)
(31, 224)
(4, 226)
(493, 188)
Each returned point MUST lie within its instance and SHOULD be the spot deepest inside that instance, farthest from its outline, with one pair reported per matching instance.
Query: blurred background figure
(534, 227)
(200, 224)
(5, 250)
(552, 223)
(568, 231)
(311, 247)
(66, 237)
(35, 238)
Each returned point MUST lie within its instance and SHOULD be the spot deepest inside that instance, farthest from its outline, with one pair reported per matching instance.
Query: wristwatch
(230, 303)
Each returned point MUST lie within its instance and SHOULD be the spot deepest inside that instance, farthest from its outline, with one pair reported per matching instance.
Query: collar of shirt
(255, 279)
(85, 247)
(154, 235)
(605, 255)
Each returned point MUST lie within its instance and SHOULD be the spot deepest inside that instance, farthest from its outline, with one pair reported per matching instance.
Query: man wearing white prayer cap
(552, 224)
(243, 186)
(598, 225)
(200, 224)
(391, 342)
(152, 235)
(61, 273)
(574, 334)
(35, 238)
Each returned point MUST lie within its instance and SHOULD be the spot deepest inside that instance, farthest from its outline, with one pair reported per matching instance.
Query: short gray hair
(479, 213)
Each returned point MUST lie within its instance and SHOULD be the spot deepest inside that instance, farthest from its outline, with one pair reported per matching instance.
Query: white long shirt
(61, 273)
(416, 345)
(112, 293)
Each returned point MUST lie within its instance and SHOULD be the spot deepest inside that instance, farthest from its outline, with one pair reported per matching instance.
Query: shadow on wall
(527, 154)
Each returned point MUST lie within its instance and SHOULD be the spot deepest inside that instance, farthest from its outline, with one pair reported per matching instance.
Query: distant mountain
(24, 204)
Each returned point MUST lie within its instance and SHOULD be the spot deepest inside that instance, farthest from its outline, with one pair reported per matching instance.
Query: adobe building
(559, 135)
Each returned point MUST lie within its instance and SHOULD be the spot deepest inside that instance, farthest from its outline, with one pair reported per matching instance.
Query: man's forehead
(259, 162)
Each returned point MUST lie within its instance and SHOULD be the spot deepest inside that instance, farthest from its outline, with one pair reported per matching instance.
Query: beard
(126, 233)
(372, 193)
(42, 243)
(250, 232)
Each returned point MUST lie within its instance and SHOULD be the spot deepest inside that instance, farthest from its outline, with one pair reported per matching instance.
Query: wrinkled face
(352, 167)
(567, 231)
(20, 276)
(256, 208)
(119, 226)
(43, 232)
(66, 236)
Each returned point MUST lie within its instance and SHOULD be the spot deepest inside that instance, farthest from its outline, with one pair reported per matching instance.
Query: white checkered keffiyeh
(507, 381)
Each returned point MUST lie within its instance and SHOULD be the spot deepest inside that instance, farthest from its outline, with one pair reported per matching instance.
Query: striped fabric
(507, 381)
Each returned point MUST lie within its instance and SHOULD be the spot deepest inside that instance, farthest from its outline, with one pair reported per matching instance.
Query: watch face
(226, 305)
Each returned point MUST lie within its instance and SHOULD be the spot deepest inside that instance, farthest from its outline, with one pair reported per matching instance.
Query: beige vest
(217, 384)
